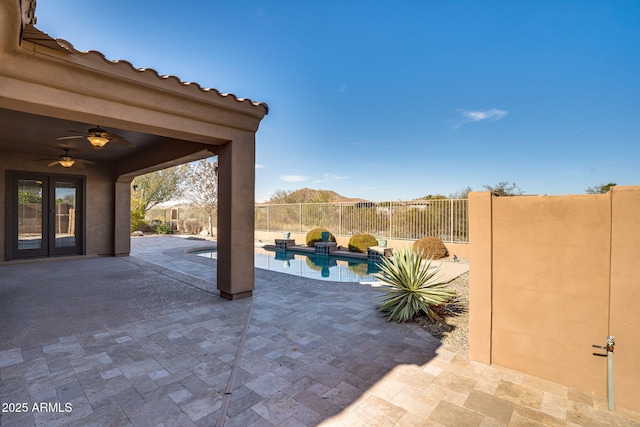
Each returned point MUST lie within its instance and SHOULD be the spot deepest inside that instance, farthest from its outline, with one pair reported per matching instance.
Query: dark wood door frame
(48, 246)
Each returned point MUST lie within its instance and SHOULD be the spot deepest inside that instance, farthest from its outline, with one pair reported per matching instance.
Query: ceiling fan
(66, 161)
(99, 137)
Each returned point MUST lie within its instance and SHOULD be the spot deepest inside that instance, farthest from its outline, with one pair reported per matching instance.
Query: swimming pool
(334, 269)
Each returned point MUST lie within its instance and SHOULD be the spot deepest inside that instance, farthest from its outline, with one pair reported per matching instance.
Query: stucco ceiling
(34, 134)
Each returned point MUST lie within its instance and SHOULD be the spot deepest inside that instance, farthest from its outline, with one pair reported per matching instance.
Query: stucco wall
(541, 273)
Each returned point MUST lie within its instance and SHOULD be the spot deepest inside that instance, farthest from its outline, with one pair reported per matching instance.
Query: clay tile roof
(35, 36)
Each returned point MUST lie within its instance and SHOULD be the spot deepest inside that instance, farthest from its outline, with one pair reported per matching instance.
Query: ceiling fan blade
(84, 162)
(69, 137)
(117, 139)
(53, 163)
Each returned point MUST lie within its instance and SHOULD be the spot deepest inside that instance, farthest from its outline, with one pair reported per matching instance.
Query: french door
(47, 215)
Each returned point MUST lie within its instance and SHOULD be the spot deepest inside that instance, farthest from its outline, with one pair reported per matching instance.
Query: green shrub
(137, 220)
(164, 229)
(315, 235)
(431, 247)
(360, 242)
(413, 286)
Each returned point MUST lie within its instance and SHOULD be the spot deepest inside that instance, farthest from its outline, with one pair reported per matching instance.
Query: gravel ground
(454, 327)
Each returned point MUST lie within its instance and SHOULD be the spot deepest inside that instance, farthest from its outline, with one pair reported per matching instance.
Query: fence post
(390, 220)
(300, 216)
(451, 221)
(268, 219)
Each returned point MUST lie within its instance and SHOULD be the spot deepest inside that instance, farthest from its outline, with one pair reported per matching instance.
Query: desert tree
(461, 194)
(151, 189)
(503, 188)
(600, 189)
(201, 187)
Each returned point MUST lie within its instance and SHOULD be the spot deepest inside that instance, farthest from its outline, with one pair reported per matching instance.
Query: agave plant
(413, 286)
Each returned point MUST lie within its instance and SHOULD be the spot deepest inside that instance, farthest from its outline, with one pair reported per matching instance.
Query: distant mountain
(308, 195)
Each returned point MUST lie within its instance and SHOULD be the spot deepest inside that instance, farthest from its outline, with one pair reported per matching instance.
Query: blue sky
(394, 100)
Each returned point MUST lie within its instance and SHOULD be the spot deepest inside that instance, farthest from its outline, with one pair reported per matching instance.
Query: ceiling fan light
(97, 141)
(66, 163)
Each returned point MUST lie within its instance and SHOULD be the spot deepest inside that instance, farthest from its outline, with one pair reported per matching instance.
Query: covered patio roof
(34, 123)
(50, 90)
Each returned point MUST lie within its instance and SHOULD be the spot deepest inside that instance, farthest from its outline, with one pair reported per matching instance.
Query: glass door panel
(46, 216)
(65, 214)
(30, 207)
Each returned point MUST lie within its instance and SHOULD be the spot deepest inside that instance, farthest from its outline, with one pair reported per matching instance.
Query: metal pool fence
(445, 218)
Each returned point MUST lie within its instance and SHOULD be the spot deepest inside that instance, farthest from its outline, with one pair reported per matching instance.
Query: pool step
(375, 253)
(325, 248)
(284, 244)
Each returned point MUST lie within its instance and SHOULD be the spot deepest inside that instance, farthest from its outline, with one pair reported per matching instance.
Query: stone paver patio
(299, 353)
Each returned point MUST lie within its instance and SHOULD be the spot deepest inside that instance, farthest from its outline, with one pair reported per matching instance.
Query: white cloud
(294, 178)
(259, 166)
(331, 177)
(493, 115)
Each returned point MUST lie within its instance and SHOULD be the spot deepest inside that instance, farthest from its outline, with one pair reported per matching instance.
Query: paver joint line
(236, 363)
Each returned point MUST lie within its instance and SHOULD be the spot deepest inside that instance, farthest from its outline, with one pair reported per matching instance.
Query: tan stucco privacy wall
(550, 277)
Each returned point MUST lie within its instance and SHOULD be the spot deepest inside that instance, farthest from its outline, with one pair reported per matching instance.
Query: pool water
(334, 269)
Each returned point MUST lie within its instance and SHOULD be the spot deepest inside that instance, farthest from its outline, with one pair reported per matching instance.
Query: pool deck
(145, 341)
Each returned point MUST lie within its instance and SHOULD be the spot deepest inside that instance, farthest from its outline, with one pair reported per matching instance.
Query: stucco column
(480, 276)
(236, 198)
(122, 215)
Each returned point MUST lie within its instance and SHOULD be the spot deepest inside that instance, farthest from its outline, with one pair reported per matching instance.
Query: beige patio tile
(518, 420)
(589, 415)
(432, 369)
(460, 361)
(513, 376)
(555, 405)
(489, 405)
(449, 414)
(412, 376)
(535, 417)
(520, 394)
(412, 400)
(445, 355)
(434, 394)
(486, 387)
(386, 388)
(413, 420)
(376, 411)
(455, 382)
(545, 385)
(492, 422)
